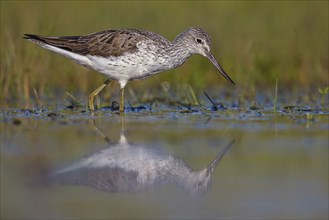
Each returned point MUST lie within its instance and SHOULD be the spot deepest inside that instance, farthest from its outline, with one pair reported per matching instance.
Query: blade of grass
(37, 97)
(211, 100)
(26, 91)
(74, 101)
(275, 95)
(196, 101)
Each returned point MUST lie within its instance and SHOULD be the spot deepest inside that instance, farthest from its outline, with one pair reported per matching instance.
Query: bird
(129, 54)
(126, 167)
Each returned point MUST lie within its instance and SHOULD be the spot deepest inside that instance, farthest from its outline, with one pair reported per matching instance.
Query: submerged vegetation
(277, 52)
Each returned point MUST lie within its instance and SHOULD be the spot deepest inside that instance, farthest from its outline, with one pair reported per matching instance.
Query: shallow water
(276, 169)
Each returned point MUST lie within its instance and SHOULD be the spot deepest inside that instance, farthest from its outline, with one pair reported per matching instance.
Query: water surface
(276, 169)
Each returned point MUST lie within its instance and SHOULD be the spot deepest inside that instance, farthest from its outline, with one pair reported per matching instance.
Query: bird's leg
(121, 107)
(95, 93)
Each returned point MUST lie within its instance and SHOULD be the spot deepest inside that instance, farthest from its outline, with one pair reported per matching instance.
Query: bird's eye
(198, 40)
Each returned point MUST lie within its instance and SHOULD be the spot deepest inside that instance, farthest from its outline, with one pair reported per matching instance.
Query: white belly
(129, 66)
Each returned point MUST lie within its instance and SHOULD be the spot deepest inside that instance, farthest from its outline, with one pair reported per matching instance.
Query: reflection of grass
(255, 42)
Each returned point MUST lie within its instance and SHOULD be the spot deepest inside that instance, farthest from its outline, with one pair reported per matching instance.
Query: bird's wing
(105, 43)
(112, 179)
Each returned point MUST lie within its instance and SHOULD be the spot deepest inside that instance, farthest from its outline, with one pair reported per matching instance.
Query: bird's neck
(190, 179)
(178, 51)
(180, 43)
(179, 174)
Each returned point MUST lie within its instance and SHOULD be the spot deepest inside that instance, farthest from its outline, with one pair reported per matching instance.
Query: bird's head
(198, 42)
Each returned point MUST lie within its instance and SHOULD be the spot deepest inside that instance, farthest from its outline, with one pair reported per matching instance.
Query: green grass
(256, 42)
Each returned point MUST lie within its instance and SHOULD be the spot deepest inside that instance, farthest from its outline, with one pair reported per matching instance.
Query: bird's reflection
(123, 167)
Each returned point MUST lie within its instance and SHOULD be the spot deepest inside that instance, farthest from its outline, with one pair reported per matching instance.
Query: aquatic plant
(323, 92)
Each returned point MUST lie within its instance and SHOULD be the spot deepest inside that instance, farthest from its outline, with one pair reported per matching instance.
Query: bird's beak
(211, 167)
(220, 69)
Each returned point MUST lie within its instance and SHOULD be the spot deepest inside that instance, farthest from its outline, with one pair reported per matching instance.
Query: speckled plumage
(130, 54)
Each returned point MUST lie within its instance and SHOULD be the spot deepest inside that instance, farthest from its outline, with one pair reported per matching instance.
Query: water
(276, 169)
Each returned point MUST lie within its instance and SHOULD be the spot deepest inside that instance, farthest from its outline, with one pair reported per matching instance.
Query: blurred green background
(256, 42)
